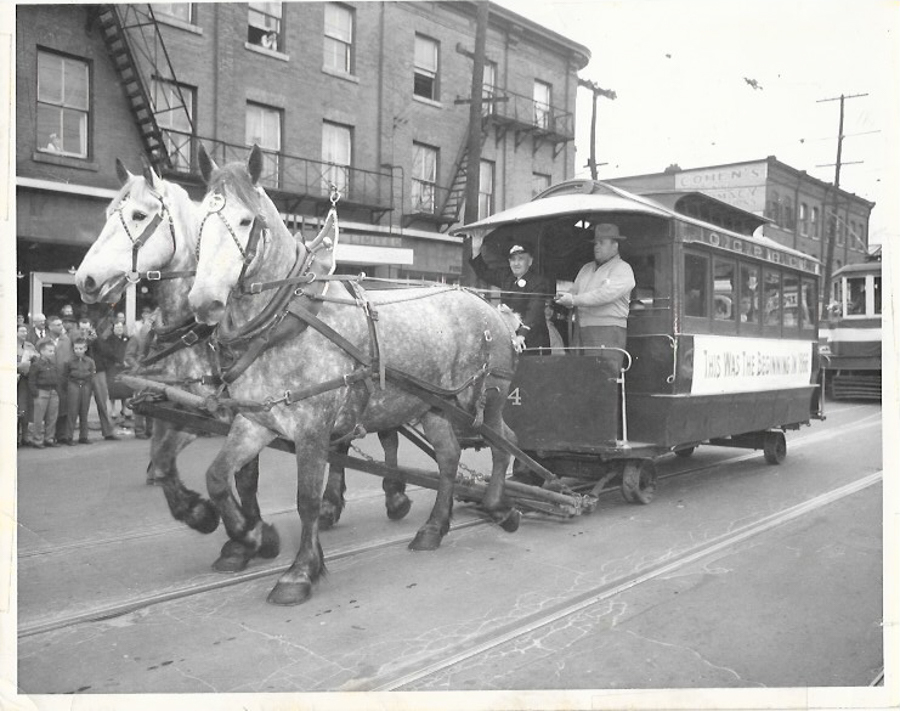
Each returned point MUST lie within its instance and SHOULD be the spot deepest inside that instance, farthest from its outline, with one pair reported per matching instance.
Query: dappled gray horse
(328, 359)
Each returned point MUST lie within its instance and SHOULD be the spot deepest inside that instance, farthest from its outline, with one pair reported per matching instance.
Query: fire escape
(508, 113)
(138, 53)
(163, 113)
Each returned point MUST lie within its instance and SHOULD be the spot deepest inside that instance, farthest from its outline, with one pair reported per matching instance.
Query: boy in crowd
(43, 383)
(78, 375)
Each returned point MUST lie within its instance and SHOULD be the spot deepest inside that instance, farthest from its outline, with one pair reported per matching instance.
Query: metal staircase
(456, 195)
(136, 48)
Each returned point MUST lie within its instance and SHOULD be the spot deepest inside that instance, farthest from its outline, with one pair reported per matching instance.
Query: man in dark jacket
(525, 292)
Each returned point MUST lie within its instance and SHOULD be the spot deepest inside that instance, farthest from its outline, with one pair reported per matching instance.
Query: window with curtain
(179, 10)
(804, 217)
(542, 95)
(814, 222)
(338, 38)
(264, 129)
(63, 105)
(489, 88)
(174, 111)
(485, 189)
(264, 25)
(424, 178)
(425, 81)
(337, 152)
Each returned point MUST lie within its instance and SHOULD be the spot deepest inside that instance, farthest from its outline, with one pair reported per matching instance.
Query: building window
(539, 183)
(774, 211)
(696, 281)
(339, 38)
(788, 214)
(183, 11)
(485, 189)
(489, 89)
(63, 105)
(814, 223)
(174, 111)
(542, 95)
(425, 83)
(841, 232)
(424, 178)
(264, 25)
(337, 151)
(804, 217)
(264, 129)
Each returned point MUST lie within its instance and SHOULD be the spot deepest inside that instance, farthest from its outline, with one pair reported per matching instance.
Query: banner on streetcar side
(733, 365)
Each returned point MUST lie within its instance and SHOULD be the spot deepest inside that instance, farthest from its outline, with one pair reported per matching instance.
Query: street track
(124, 607)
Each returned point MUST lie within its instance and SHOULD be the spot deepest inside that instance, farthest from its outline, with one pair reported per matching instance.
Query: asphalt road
(739, 575)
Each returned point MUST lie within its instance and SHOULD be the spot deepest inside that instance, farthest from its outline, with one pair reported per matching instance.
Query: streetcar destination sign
(751, 248)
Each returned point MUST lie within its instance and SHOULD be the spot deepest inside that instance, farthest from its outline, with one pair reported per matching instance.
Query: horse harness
(134, 276)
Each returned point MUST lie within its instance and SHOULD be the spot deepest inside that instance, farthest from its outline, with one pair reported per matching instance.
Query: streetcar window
(772, 297)
(644, 268)
(696, 280)
(807, 303)
(856, 296)
(790, 301)
(877, 294)
(723, 294)
(749, 294)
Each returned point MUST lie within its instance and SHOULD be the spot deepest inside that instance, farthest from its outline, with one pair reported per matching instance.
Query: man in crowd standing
(524, 291)
(43, 384)
(601, 297)
(62, 354)
(37, 331)
(99, 388)
(67, 314)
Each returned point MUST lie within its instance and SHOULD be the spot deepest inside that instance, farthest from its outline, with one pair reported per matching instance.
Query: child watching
(78, 374)
(43, 383)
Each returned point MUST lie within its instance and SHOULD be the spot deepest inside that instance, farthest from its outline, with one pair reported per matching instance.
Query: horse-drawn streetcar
(260, 339)
(722, 339)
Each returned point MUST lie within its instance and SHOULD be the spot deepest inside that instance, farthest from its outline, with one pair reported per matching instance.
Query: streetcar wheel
(639, 481)
(774, 447)
(685, 452)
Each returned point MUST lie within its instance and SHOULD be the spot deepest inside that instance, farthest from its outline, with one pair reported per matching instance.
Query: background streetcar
(851, 339)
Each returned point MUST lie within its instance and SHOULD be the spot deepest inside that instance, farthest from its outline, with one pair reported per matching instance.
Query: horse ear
(122, 172)
(255, 164)
(207, 164)
(151, 176)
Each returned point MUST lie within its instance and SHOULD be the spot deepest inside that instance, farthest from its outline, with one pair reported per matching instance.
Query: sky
(678, 68)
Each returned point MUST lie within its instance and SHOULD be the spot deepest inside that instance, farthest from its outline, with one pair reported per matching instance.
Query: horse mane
(234, 177)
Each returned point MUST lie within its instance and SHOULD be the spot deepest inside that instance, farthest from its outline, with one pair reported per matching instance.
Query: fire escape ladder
(456, 195)
(136, 48)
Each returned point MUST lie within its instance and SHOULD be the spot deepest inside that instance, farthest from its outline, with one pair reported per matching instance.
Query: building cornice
(70, 188)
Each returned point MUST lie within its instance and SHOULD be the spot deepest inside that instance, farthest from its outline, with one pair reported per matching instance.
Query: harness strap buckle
(190, 338)
(132, 277)
(255, 288)
(154, 275)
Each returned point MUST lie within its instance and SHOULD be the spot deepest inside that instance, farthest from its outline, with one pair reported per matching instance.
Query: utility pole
(598, 92)
(832, 221)
(473, 166)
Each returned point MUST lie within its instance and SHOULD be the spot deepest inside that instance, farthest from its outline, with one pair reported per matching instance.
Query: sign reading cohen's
(736, 365)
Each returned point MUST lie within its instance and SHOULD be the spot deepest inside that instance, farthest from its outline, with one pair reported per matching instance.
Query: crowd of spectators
(62, 363)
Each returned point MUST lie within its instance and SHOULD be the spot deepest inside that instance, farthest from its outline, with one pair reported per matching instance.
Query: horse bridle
(134, 276)
(257, 229)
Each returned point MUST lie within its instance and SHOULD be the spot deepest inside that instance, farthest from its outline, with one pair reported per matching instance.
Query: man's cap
(519, 249)
(607, 230)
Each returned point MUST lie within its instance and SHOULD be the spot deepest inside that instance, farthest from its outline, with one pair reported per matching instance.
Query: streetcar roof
(872, 267)
(583, 197)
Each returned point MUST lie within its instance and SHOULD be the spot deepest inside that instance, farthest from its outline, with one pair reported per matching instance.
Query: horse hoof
(425, 541)
(233, 558)
(398, 507)
(271, 542)
(203, 517)
(329, 515)
(289, 593)
(510, 522)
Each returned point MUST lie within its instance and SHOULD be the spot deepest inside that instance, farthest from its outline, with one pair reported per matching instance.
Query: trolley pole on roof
(473, 165)
(832, 221)
(598, 92)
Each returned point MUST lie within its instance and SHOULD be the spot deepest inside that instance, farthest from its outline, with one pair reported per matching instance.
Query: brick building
(798, 205)
(366, 96)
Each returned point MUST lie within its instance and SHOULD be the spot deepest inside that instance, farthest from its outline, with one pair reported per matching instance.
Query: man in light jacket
(601, 297)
